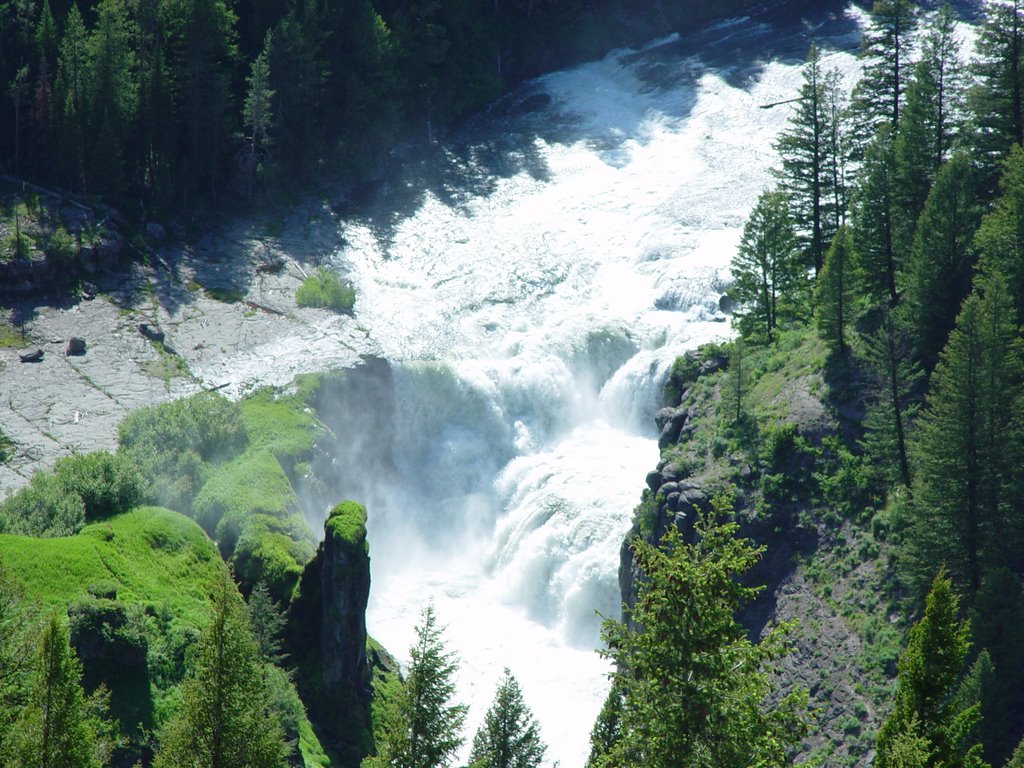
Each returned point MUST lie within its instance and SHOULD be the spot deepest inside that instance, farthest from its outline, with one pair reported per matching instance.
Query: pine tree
(996, 100)
(257, 114)
(941, 265)
(885, 44)
(607, 730)
(696, 691)
(892, 384)
(225, 717)
(808, 164)
(967, 445)
(834, 296)
(1000, 239)
(771, 284)
(875, 216)
(930, 122)
(510, 734)
(57, 727)
(71, 96)
(429, 732)
(15, 656)
(997, 623)
(267, 622)
(926, 705)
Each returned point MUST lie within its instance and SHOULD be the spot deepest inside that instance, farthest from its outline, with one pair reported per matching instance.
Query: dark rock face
(327, 634)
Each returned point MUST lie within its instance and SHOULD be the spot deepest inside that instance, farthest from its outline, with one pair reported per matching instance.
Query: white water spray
(531, 296)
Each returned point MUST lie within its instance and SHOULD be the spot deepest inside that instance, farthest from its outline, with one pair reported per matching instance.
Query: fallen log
(262, 307)
(151, 332)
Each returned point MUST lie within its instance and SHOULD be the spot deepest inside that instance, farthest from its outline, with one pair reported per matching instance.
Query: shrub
(172, 442)
(327, 290)
(43, 508)
(108, 484)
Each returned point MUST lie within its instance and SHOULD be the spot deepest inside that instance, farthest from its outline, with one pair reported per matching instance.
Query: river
(531, 278)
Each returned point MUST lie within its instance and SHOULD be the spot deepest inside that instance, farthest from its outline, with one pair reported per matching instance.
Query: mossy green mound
(150, 556)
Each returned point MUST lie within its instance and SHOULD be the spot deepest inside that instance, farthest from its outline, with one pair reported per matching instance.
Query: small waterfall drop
(530, 281)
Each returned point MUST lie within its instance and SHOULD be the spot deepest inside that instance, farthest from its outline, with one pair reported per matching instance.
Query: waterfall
(530, 280)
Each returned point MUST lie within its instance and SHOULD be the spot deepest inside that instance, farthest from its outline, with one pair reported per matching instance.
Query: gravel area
(226, 303)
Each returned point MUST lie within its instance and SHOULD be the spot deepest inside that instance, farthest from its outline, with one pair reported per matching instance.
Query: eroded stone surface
(63, 405)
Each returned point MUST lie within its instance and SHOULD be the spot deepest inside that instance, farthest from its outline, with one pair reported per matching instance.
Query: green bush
(327, 290)
(108, 484)
(172, 443)
(43, 508)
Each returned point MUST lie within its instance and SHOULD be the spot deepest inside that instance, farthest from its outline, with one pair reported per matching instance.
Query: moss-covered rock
(327, 634)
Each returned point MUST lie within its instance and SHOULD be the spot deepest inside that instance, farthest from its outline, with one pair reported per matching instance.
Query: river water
(531, 279)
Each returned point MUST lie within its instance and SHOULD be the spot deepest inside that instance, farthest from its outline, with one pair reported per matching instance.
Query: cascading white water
(531, 291)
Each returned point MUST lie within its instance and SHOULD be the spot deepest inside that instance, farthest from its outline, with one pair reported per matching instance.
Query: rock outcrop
(327, 636)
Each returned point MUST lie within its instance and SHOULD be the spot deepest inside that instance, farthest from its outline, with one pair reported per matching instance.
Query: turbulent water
(531, 280)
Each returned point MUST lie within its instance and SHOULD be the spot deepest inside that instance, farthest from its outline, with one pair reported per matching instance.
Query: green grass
(6, 446)
(11, 337)
(347, 523)
(166, 366)
(327, 290)
(152, 556)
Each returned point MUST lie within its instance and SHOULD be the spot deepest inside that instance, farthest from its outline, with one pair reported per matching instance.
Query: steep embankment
(770, 427)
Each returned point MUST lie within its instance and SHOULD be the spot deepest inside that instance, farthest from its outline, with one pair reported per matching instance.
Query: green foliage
(811, 173)
(967, 446)
(996, 97)
(510, 734)
(16, 639)
(834, 297)
(607, 730)
(695, 688)
(885, 47)
(931, 121)
(1001, 236)
(150, 556)
(325, 289)
(426, 732)
(346, 523)
(267, 622)
(939, 273)
(771, 284)
(225, 718)
(173, 442)
(58, 724)
(928, 719)
(876, 222)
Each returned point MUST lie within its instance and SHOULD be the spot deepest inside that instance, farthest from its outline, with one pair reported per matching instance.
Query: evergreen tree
(997, 623)
(930, 121)
(808, 164)
(510, 734)
(607, 730)
(892, 384)
(1000, 239)
(257, 115)
(696, 691)
(834, 297)
(885, 45)
(967, 444)
(875, 217)
(267, 622)
(429, 732)
(15, 657)
(770, 282)
(112, 95)
(926, 707)
(942, 259)
(57, 727)
(71, 97)
(225, 717)
(996, 100)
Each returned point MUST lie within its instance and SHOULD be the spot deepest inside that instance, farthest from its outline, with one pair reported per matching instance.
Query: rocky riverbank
(223, 298)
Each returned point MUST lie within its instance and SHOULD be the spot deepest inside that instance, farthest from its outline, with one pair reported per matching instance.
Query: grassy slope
(152, 556)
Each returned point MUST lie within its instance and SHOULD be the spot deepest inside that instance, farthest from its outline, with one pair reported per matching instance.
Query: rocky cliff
(327, 636)
(774, 438)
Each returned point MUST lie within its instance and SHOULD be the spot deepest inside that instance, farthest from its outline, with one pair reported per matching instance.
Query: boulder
(31, 356)
(76, 346)
(151, 332)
